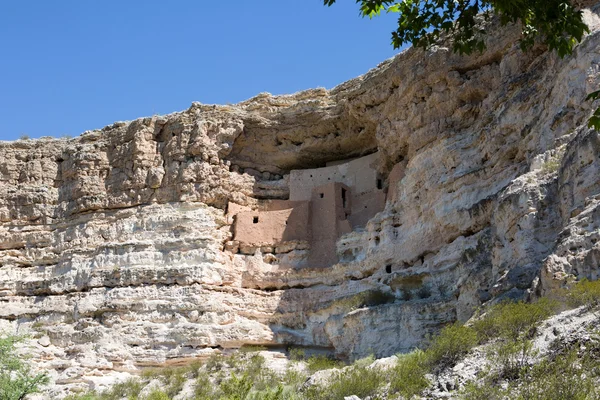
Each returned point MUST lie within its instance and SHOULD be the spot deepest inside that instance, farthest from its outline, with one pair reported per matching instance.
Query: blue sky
(67, 66)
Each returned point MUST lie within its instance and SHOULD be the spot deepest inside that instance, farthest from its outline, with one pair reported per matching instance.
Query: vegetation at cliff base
(16, 378)
(503, 333)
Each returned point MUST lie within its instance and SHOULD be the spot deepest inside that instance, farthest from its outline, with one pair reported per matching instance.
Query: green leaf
(594, 121)
(593, 96)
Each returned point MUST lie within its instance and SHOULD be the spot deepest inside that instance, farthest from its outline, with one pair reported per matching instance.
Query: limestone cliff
(116, 247)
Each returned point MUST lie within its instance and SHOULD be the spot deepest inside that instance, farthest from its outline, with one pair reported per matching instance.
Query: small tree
(16, 378)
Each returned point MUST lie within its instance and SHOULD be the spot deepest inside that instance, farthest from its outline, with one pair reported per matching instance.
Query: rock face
(116, 247)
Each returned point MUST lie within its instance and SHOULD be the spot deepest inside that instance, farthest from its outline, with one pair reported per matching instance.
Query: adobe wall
(325, 203)
(273, 227)
(327, 209)
(359, 174)
(365, 206)
(234, 209)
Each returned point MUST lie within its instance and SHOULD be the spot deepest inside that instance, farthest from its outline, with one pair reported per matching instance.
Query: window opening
(255, 220)
(388, 269)
(321, 195)
(343, 198)
(379, 184)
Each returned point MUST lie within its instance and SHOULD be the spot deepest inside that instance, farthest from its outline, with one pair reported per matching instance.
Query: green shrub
(566, 377)
(294, 377)
(262, 377)
(203, 388)
(252, 348)
(173, 378)
(236, 388)
(320, 362)
(297, 354)
(356, 380)
(216, 362)
(16, 378)
(511, 320)
(368, 298)
(275, 393)
(511, 357)
(158, 394)
(409, 375)
(550, 166)
(585, 293)
(482, 391)
(450, 345)
(129, 389)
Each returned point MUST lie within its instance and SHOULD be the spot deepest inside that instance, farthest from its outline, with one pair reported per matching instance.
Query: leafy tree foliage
(16, 378)
(557, 23)
(421, 22)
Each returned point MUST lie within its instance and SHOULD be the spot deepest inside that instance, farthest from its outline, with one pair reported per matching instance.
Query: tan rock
(118, 245)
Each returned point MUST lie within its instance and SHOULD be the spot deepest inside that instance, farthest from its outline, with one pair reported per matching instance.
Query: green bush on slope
(513, 320)
(16, 378)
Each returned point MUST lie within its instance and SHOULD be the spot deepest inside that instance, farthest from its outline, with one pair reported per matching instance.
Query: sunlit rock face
(117, 248)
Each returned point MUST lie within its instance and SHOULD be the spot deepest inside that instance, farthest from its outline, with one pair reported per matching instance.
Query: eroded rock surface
(116, 247)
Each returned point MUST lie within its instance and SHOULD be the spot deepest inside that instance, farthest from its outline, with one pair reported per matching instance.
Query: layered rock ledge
(114, 245)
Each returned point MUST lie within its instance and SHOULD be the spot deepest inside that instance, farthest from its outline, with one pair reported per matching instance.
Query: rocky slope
(114, 245)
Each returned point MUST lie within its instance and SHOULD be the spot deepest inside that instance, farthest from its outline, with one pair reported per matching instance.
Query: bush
(566, 377)
(318, 363)
(297, 354)
(203, 389)
(482, 391)
(129, 389)
(510, 320)
(268, 394)
(357, 380)
(236, 388)
(511, 357)
(450, 345)
(216, 362)
(409, 376)
(585, 293)
(173, 378)
(158, 394)
(16, 378)
(368, 298)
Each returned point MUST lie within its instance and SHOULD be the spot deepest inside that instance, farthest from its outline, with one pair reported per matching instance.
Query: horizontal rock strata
(116, 247)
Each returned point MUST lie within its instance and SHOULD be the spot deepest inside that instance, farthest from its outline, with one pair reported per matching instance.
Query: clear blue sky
(67, 66)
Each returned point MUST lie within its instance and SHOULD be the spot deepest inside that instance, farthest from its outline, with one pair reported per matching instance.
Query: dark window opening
(388, 269)
(255, 220)
(343, 198)
(321, 195)
(379, 184)
(365, 206)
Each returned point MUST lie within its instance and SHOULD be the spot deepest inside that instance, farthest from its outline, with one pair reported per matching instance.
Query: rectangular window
(343, 198)
(255, 220)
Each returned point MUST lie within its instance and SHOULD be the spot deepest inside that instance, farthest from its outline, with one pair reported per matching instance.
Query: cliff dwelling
(324, 204)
